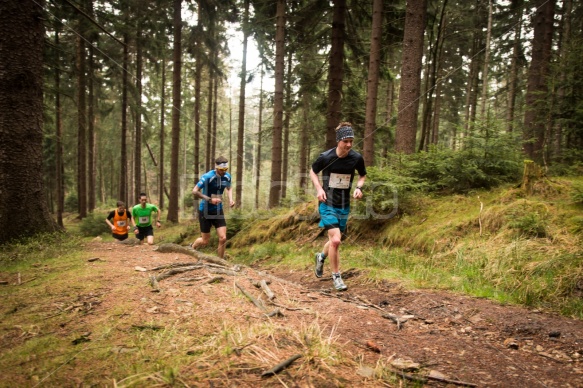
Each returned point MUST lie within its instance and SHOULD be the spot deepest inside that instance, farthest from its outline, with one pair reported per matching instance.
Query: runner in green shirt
(142, 219)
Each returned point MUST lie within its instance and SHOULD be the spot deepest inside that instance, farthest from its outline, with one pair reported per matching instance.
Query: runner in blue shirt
(210, 189)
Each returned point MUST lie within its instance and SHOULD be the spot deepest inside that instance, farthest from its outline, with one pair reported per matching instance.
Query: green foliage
(530, 225)
(484, 162)
(94, 225)
(71, 203)
(577, 193)
(387, 191)
(38, 248)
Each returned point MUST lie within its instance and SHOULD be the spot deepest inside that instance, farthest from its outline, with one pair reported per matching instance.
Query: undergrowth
(496, 244)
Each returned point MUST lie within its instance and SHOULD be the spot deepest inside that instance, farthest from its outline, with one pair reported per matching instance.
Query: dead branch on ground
(281, 366)
(257, 303)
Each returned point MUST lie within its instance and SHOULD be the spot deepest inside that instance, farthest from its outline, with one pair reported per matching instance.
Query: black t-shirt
(337, 175)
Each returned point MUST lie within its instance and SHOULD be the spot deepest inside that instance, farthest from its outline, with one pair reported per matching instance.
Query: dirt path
(459, 338)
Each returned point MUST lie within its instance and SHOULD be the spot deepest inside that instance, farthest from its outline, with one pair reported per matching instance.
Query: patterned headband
(223, 166)
(344, 133)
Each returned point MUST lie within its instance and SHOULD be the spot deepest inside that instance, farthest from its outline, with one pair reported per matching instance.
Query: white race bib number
(144, 220)
(339, 181)
(121, 223)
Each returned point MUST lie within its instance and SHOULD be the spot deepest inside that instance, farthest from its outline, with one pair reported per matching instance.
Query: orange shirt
(120, 223)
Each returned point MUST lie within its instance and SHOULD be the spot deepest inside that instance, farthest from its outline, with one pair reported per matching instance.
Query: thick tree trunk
(81, 127)
(138, 102)
(513, 77)
(335, 73)
(162, 136)
(59, 139)
(288, 108)
(275, 181)
(373, 82)
(259, 136)
(123, 171)
(241, 122)
(23, 207)
(176, 106)
(486, 64)
(535, 114)
(410, 90)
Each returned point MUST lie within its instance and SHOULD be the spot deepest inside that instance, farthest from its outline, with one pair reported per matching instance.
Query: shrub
(94, 225)
(577, 193)
(71, 203)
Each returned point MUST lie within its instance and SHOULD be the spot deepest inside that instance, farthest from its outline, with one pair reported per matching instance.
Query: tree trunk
(406, 130)
(275, 181)
(215, 110)
(59, 138)
(176, 106)
(197, 94)
(288, 108)
(535, 113)
(91, 135)
(486, 63)
(335, 73)
(513, 77)
(123, 171)
(162, 135)
(81, 126)
(23, 207)
(373, 82)
(241, 122)
(209, 122)
(259, 135)
(138, 102)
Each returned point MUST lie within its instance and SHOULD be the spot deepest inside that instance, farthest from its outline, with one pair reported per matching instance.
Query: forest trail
(456, 337)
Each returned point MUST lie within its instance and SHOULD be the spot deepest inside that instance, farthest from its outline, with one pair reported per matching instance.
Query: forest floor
(439, 339)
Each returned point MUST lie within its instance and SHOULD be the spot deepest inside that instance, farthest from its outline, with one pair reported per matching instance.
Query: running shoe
(338, 283)
(319, 269)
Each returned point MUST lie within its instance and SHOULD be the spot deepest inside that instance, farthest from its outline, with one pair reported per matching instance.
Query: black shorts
(119, 237)
(208, 220)
(144, 231)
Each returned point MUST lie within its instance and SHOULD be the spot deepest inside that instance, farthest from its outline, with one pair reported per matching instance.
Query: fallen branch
(175, 271)
(154, 284)
(251, 298)
(173, 265)
(449, 381)
(275, 312)
(399, 320)
(222, 271)
(175, 248)
(268, 292)
(281, 366)
(287, 308)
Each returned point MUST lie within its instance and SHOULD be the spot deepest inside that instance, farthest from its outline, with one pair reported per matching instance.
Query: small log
(154, 284)
(175, 271)
(174, 265)
(175, 248)
(222, 271)
(449, 381)
(275, 312)
(251, 298)
(281, 366)
(268, 292)
(393, 318)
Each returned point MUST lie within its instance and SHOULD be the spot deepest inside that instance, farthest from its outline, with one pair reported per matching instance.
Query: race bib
(339, 181)
(144, 220)
(121, 223)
